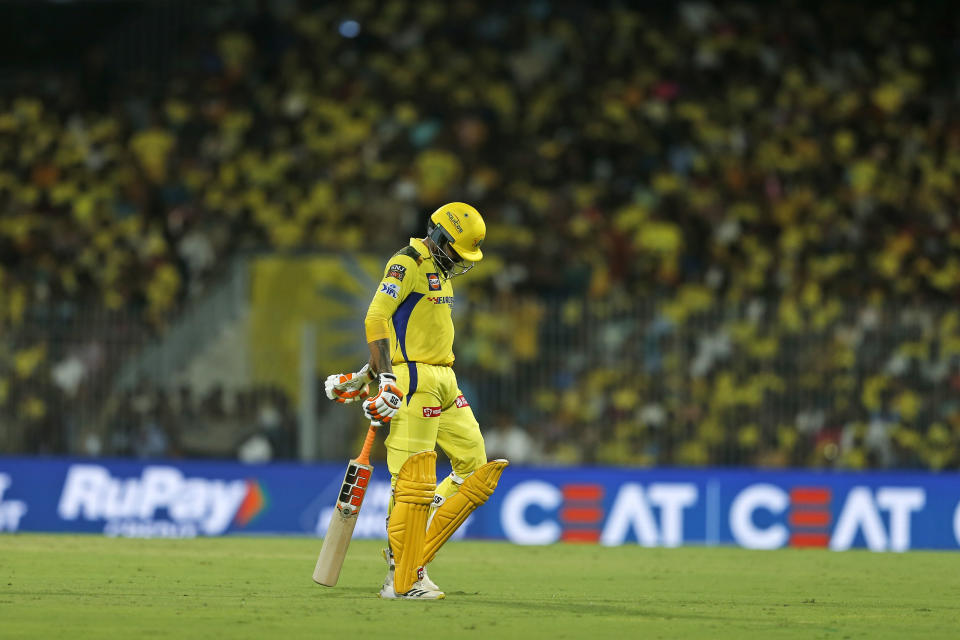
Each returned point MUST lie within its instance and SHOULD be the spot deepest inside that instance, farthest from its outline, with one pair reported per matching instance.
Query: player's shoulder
(409, 253)
(406, 259)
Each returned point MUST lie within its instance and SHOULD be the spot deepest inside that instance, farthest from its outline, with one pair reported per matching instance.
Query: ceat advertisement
(752, 509)
(755, 509)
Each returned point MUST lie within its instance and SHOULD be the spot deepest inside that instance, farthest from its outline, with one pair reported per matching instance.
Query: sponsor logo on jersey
(461, 402)
(397, 271)
(390, 289)
(441, 300)
(433, 281)
(431, 412)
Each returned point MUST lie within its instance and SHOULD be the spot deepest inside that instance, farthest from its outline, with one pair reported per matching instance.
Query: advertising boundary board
(758, 509)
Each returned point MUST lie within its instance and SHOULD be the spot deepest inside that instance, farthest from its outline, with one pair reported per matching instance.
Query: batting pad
(450, 515)
(413, 494)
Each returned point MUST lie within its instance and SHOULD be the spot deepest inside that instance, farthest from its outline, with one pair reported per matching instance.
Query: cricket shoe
(417, 592)
(423, 589)
(424, 581)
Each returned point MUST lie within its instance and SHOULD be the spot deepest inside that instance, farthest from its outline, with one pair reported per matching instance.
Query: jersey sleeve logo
(433, 281)
(431, 412)
(461, 402)
(397, 271)
(390, 289)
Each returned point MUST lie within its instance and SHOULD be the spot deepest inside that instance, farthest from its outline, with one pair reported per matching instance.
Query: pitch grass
(94, 587)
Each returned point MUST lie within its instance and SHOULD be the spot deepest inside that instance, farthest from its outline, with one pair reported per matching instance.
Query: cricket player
(409, 330)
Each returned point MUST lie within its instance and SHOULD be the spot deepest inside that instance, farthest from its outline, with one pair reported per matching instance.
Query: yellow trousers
(434, 413)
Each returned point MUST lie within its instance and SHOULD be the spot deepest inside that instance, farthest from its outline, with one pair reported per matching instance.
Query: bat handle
(364, 457)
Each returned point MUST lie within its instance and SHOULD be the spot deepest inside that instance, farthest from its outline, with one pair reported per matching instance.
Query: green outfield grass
(93, 587)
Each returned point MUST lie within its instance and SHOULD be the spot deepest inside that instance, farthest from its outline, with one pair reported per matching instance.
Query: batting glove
(348, 387)
(383, 406)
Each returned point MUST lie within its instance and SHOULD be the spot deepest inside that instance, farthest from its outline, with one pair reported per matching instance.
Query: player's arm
(352, 387)
(396, 284)
(398, 280)
(380, 356)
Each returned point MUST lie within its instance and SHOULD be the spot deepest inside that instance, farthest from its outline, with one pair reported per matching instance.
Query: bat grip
(364, 457)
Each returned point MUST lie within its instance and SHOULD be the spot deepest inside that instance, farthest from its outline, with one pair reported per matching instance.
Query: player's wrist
(367, 373)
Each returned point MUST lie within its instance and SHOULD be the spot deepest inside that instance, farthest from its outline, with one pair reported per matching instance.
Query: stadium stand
(738, 247)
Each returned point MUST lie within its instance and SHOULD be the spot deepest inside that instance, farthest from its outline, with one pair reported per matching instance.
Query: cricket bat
(344, 519)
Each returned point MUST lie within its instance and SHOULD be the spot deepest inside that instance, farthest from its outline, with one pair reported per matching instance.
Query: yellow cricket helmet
(458, 230)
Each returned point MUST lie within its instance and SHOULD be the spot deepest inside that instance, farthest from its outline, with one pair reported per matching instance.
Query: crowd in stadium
(780, 189)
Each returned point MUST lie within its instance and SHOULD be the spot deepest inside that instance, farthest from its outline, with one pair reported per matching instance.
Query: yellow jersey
(413, 307)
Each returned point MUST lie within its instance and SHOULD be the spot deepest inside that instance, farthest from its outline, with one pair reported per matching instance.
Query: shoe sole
(442, 596)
